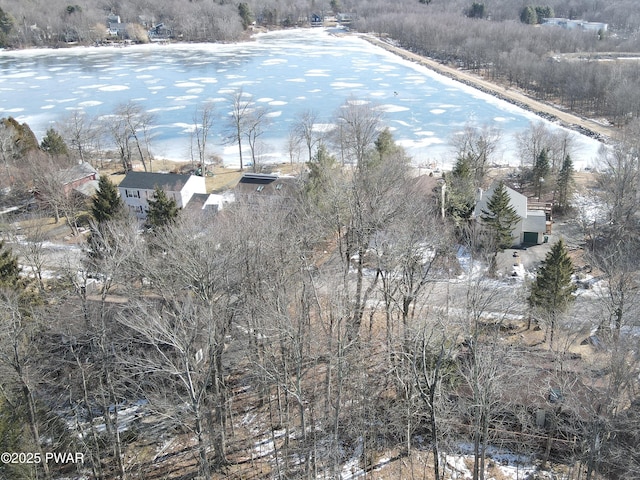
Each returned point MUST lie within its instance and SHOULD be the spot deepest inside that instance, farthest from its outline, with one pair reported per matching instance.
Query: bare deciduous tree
(477, 146)
(130, 130)
(241, 108)
(79, 132)
(202, 124)
(304, 129)
(19, 363)
(360, 124)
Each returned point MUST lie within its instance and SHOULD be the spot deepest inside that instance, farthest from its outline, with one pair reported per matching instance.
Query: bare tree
(241, 108)
(115, 255)
(481, 314)
(620, 186)
(129, 128)
(304, 129)
(202, 124)
(618, 261)
(293, 147)
(19, 363)
(360, 124)
(29, 244)
(254, 124)
(185, 333)
(138, 123)
(48, 176)
(79, 132)
(477, 145)
(433, 360)
(531, 142)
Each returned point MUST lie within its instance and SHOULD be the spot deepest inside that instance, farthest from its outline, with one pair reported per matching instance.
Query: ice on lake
(288, 72)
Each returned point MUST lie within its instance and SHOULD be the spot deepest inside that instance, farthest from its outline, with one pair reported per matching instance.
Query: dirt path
(582, 125)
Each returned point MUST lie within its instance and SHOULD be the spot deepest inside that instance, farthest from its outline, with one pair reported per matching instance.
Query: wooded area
(341, 324)
(361, 318)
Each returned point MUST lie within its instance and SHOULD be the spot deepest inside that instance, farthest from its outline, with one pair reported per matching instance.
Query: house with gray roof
(137, 188)
(262, 187)
(81, 178)
(531, 227)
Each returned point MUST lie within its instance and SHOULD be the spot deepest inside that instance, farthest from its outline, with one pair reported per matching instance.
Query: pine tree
(500, 217)
(321, 169)
(53, 143)
(565, 183)
(107, 204)
(385, 145)
(460, 190)
(541, 170)
(162, 209)
(245, 15)
(552, 292)
(528, 15)
(9, 269)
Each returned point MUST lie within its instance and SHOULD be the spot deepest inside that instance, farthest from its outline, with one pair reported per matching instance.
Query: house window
(260, 188)
(279, 186)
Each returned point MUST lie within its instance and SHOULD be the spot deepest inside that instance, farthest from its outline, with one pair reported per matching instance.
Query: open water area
(288, 72)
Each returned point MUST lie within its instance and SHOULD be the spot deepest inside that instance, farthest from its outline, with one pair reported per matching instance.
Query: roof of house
(208, 202)
(88, 189)
(535, 221)
(265, 185)
(258, 178)
(516, 199)
(78, 172)
(171, 182)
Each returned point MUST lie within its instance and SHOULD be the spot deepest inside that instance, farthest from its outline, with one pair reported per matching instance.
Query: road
(583, 125)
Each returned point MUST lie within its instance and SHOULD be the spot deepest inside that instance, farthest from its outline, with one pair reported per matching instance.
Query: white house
(533, 223)
(137, 188)
(570, 24)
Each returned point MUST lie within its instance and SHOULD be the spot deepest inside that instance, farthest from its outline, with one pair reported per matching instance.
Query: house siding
(137, 199)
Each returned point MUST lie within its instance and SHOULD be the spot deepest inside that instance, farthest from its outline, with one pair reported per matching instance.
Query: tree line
(291, 335)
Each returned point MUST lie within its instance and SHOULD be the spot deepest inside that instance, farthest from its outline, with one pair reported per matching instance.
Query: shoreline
(584, 126)
(592, 133)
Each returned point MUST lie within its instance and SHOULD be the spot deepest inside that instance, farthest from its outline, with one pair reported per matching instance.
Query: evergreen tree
(245, 15)
(477, 10)
(9, 269)
(460, 191)
(552, 292)
(53, 143)
(107, 204)
(22, 138)
(564, 183)
(528, 15)
(541, 170)
(6, 26)
(500, 217)
(321, 171)
(162, 209)
(386, 147)
(543, 11)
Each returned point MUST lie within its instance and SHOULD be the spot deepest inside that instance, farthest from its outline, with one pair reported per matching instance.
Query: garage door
(530, 238)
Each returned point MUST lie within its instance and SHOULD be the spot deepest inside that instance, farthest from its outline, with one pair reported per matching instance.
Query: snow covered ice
(289, 71)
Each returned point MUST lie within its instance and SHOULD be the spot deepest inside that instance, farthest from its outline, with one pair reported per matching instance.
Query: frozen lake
(287, 71)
